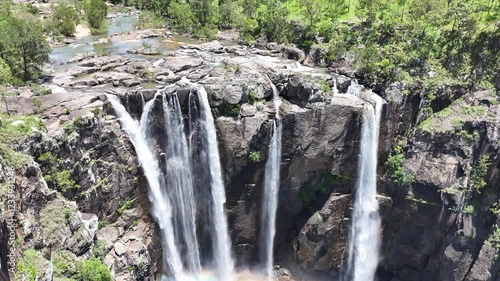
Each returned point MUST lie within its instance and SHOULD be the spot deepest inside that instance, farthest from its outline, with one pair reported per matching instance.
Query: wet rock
(177, 64)
(147, 51)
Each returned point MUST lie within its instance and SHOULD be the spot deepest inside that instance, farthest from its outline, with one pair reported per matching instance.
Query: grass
(255, 156)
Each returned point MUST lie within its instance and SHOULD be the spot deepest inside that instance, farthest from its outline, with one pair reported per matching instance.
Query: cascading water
(364, 239)
(271, 188)
(161, 207)
(222, 243)
(179, 180)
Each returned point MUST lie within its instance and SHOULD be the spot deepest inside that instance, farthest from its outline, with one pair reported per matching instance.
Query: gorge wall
(82, 193)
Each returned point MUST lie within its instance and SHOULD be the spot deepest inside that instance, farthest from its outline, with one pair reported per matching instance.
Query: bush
(94, 270)
(480, 172)
(64, 19)
(254, 156)
(181, 17)
(95, 12)
(231, 14)
(128, 205)
(28, 265)
(395, 170)
(149, 19)
(5, 73)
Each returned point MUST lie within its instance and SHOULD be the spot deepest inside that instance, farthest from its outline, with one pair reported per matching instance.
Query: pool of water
(114, 46)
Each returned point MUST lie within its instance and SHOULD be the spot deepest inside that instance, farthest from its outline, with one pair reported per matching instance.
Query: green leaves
(95, 12)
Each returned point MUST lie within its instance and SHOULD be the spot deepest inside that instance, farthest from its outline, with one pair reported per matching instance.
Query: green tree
(64, 19)
(23, 46)
(273, 21)
(95, 12)
(181, 16)
(231, 14)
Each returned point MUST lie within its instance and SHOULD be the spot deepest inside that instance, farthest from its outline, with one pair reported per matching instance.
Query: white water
(270, 194)
(364, 241)
(222, 244)
(179, 179)
(161, 208)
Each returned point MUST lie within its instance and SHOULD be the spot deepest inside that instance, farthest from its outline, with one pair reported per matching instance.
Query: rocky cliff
(81, 192)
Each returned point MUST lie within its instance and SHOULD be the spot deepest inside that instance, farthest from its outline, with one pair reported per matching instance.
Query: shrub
(149, 19)
(255, 156)
(251, 98)
(395, 171)
(94, 270)
(232, 110)
(95, 12)
(479, 173)
(64, 19)
(181, 16)
(128, 205)
(469, 209)
(28, 265)
(5, 73)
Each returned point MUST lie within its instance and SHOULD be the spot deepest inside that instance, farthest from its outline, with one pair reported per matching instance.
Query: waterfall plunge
(222, 242)
(161, 207)
(179, 180)
(172, 196)
(271, 188)
(364, 241)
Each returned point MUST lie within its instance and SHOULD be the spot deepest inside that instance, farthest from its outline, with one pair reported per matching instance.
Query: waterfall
(271, 188)
(222, 243)
(179, 179)
(364, 239)
(161, 208)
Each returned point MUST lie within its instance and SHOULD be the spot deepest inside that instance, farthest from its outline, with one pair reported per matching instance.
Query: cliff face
(83, 193)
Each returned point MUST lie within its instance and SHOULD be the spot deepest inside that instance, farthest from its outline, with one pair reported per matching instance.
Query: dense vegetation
(23, 48)
(437, 41)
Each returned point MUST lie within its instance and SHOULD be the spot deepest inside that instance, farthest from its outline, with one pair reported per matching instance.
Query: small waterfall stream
(271, 188)
(364, 241)
(222, 242)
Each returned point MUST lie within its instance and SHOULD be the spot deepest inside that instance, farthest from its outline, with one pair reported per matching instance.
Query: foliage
(64, 19)
(479, 173)
(22, 44)
(100, 249)
(64, 264)
(494, 238)
(252, 97)
(395, 171)
(232, 110)
(5, 73)
(12, 129)
(149, 19)
(53, 218)
(29, 266)
(126, 206)
(94, 270)
(309, 192)
(61, 180)
(95, 12)
(469, 209)
(255, 156)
